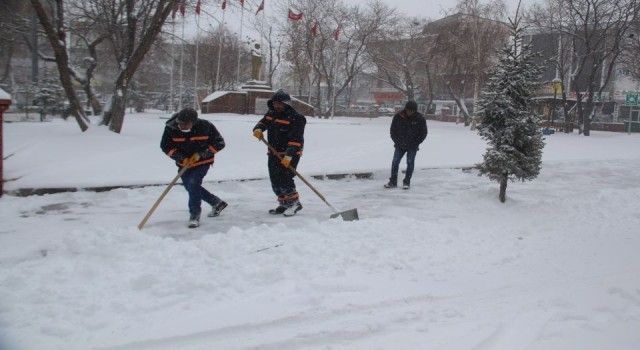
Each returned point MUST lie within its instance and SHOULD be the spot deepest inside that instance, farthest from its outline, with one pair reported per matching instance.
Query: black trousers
(282, 180)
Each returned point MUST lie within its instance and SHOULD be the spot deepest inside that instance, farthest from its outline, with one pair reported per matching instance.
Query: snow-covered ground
(444, 265)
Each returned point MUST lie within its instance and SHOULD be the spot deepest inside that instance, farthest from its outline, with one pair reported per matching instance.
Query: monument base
(256, 85)
(251, 98)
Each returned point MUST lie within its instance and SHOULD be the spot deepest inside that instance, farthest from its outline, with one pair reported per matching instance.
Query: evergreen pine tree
(509, 124)
(49, 96)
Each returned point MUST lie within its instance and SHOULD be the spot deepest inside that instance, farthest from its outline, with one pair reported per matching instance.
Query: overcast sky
(432, 9)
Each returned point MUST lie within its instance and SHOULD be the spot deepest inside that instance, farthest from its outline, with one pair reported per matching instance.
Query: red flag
(242, 3)
(198, 8)
(182, 8)
(224, 4)
(261, 7)
(295, 16)
(336, 33)
(314, 28)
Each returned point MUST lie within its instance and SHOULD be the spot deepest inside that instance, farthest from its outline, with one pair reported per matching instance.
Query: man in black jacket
(408, 130)
(285, 132)
(192, 143)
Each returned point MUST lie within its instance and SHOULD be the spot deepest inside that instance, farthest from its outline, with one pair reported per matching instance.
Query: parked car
(386, 110)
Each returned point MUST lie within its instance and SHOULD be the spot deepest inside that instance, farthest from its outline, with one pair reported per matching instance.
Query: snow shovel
(347, 215)
(166, 190)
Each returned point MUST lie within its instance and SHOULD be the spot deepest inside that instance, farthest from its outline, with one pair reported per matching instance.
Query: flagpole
(220, 51)
(173, 39)
(312, 70)
(181, 65)
(262, 48)
(195, 78)
(333, 78)
(240, 43)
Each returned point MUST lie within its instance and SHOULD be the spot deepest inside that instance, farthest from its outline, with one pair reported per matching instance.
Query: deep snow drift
(444, 265)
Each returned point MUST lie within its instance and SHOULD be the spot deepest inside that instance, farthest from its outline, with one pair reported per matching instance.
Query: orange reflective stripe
(179, 139)
(268, 117)
(292, 196)
(213, 149)
(172, 151)
(199, 138)
(210, 160)
(293, 143)
(282, 121)
(277, 153)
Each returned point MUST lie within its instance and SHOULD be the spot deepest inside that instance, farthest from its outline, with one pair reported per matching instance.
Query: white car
(386, 110)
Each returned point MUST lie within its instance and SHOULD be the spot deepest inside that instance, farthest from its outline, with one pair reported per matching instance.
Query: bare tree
(545, 19)
(317, 58)
(89, 39)
(467, 42)
(631, 51)
(400, 55)
(364, 26)
(596, 30)
(130, 28)
(89, 62)
(208, 58)
(53, 23)
(14, 25)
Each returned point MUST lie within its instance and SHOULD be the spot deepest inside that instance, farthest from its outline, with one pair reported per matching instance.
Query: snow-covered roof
(218, 94)
(4, 95)
(301, 102)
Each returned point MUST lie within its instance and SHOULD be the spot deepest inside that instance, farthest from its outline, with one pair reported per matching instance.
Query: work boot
(194, 221)
(405, 185)
(278, 210)
(390, 184)
(215, 211)
(292, 209)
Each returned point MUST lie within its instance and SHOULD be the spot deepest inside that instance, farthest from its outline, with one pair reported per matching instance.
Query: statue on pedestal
(256, 61)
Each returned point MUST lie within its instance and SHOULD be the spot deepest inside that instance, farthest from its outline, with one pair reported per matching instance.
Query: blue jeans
(395, 164)
(192, 182)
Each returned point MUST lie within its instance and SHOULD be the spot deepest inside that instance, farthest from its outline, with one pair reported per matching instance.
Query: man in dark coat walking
(192, 142)
(285, 133)
(408, 130)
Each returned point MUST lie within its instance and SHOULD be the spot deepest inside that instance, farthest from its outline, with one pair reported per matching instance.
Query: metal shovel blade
(347, 215)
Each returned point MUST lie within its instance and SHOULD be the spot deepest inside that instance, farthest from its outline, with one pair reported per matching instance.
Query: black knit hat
(187, 115)
(281, 96)
(411, 106)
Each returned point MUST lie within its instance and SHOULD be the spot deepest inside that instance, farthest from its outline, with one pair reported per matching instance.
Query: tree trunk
(318, 98)
(134, 56)
(410, 94)
(476, 94)
(579, 112)
(94, 102)
(587, 118)
(114, 117)
(568, 121)
(503, 188)
(57, 40)
(429, 90)
(7, 66)
(459, 102)
(586, 131)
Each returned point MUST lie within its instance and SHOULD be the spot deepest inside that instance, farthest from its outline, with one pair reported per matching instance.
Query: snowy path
(443, 266)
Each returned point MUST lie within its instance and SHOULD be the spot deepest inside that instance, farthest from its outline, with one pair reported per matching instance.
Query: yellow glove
(286, 161)
(257, 133)
(189, 162)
